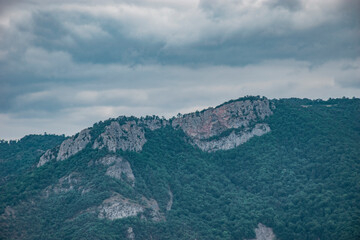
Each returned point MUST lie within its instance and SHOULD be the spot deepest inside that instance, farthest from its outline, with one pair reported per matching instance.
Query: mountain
(250, 168)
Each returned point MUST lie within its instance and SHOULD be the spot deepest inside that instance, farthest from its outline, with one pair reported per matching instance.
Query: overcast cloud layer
(67, 64)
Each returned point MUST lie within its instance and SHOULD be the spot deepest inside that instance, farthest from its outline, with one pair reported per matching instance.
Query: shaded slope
(301, 179)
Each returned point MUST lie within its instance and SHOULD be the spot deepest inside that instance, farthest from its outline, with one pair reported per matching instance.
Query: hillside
(250, 168)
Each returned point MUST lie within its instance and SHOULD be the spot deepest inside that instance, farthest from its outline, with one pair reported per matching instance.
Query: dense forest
(302, 179)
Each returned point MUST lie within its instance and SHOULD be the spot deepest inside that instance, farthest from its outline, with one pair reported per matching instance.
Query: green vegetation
(18, 156)
(302, 179)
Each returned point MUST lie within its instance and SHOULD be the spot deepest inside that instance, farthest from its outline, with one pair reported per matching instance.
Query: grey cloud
(348, 81)
(293, 5)
(80, 60)
(226, 41)
(67, 108)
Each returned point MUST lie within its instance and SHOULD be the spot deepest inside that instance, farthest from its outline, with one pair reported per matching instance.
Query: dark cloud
(76, 62)
(292, 5)
(349, 82)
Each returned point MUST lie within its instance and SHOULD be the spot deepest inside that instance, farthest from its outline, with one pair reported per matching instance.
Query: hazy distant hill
(249, 168)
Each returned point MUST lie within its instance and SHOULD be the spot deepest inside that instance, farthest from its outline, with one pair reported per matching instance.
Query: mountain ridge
(297, 181)
(246, 115)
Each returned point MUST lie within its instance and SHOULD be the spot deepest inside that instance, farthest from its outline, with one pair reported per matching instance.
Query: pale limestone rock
(120, 168)
(170, 202)
(130, 233)
(246, 117)
(128, 136)
(68, 148)
(118, 207)
(117, 168)
(73, 145)
(108, 160)
(233, 139)
(213, 121)
(49, 155)
(153, 123)
(264, 233)
(65, 184)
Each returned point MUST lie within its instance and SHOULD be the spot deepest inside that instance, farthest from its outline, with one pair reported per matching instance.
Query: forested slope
(302, 179)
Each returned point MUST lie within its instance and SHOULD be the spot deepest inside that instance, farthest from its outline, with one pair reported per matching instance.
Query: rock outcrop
(130, 233)
(153, 122)
(129, 136)
(170, 202)
(70, 182)
(264, 233)
(68, 148)
(117, 168)
(49, 155)
(74, 145)
(234, 139)
(206, 128)
(220, 128)
(117, 207)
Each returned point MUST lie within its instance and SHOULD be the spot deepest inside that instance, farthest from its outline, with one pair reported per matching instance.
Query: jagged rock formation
(213, 121)
(264, 233)
(153, 122)
(117, 168)
(206, 128)
(49, 155)
(221, 128)
(128, 136)
(74, 145)
(234, 139)
(117, 207)
(68, 148)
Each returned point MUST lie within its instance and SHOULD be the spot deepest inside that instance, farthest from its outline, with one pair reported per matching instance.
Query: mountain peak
(221, 128)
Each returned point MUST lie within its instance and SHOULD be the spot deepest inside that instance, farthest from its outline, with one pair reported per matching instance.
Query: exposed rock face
(170, 203)
(153, 123)
(128, 136)
(68, 148)
(49, 155)
(245, 115)
(153, 206)
(66, 184)
(221, 128)
(130, 233)
(118, 207)
(233, 140)
(264, 233)
(118, 167)
(74, 145)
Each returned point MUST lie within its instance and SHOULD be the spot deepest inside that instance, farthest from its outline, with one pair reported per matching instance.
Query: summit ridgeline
(221, 128)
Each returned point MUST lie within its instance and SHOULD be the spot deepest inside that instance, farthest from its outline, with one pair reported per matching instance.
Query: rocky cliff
(226, 126)
(68, 148)
(147, 178)
(117, 168)
(264, 233)
(221, 128)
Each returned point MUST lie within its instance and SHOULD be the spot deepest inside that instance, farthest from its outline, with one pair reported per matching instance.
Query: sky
(65, 65)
